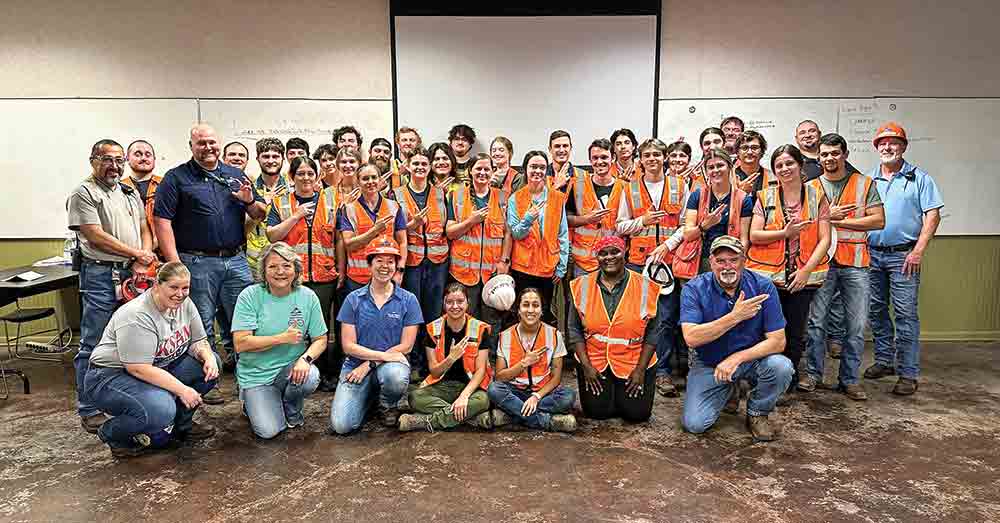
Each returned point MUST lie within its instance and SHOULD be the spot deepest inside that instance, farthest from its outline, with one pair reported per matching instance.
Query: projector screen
(524, 77)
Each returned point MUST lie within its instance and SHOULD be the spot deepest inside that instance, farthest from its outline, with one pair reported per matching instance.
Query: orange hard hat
(890, 130)
(383, 245)
(134, 286)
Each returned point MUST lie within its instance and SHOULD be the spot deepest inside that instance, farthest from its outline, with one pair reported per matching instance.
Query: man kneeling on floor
(732, 321)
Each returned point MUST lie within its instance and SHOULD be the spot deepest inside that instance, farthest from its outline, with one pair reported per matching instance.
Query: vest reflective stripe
(769, 259)
(614, 338)
(314, 244)
(540, 372)
(436, 331)
(583, 237)
(432, 230)
(688, 255)
(538, 253)
(475, 253)
(357, 261)
(645, 240)
(852, 246)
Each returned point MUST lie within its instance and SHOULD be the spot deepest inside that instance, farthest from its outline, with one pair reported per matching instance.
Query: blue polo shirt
(704, 301)
(906, 196)
(378, 329)
(204, 213)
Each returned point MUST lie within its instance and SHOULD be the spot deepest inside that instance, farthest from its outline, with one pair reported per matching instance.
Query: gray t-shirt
(119, 214)
(834, 189)
(139, 333)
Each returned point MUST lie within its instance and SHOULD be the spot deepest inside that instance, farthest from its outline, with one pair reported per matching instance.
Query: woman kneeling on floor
(278, 330)
(151, 368)
(529, 370)
(458, 347)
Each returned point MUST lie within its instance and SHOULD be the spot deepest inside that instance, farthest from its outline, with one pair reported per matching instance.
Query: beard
(728, 278)
(382, 165)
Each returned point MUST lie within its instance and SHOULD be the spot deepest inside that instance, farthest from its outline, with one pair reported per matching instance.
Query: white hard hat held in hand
(499, 292)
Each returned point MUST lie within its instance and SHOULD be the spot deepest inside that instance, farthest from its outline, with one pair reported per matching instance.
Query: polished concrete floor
(931, 457)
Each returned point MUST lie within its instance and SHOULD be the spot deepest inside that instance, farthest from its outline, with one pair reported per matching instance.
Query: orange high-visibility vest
(537, 253)
(474, 255)
(398, 179)
(315, 245)
(582, 238)
(688, 255)
(768, 259)
(357, 260)
(639, 203)
(477, 330)
(150, 201)
(852, 246)
(615, 338)
(432, 231)
(696, 178)
(508, 182)
(510, 349)
(769, 180)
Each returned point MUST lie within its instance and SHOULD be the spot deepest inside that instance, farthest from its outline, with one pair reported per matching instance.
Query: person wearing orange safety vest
(592, 207)
(527, 380)
(560, 176)
(613, 329)
(426, 244)
(458, 347)
(504, 177)
(790, 238)
(748, 174)
(650, 214)
(141, 161)
(366, 220)
(476, 228)
(855, 209)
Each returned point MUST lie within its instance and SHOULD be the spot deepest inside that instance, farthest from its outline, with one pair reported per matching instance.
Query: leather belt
(903, 247)
(221, 253)
(105, 263)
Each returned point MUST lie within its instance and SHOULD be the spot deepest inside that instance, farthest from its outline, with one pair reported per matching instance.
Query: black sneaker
(93, 423)
(197, 432)
(879, 371)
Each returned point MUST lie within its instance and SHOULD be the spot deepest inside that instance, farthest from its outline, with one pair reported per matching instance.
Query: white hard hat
(833, 243)
(660, 273)
(499, 292)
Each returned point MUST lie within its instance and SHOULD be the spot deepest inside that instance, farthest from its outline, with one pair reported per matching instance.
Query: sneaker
(807, 383)
(879, 371)
(834, 349)
(855, 391)
(213, 397)
(197, 432)
(390, 417)
(905, 387)
(408, 422)
(665, 386)
(563, 423)
(93, 423)
(482, 421)
(500, 418)
(760, 429)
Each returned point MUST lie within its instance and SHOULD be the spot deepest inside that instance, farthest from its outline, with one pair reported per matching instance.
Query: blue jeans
(97, 292)
(835, 320)
(426, 281)
(216, 281)
(351, 400)
(853, 285)
(705, 397)
(139, 407)
(895, 347)
(278, 406)
(511, 399)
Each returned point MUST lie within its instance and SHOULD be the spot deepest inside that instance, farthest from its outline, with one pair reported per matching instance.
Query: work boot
(879, 371)
(665, 386)
(905, 387)
(92, 423)
(500, 418)
(834, 349)
(197, 432)
(213, 397)
(482, 421)
(408, 422)
(563, 423)
(760, 429)
(855, 391)
(130, 452)
(807, 383)
(390, 417)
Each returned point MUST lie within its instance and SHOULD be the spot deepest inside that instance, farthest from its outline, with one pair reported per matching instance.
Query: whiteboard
(46, 146)
(314, 121)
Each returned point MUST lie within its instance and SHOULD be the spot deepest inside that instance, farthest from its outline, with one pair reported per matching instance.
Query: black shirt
(143, 189)
(611, 298)
(603, 194)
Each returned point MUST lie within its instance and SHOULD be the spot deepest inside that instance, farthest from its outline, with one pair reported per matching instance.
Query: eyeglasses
(750, 148)
(108, 160)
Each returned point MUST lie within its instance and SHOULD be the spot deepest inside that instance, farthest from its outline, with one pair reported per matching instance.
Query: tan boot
(408, 422)
(760, 429)
(564, 423)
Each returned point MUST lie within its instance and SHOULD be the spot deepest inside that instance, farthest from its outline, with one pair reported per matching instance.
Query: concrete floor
(931, 457)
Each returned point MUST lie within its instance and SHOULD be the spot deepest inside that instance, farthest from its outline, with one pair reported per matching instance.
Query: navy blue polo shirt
(204, 213)
(378, 329)
(704, 301)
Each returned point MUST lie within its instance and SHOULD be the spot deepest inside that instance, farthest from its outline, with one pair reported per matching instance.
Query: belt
(222, 253)
(903, 247)
(105, 263)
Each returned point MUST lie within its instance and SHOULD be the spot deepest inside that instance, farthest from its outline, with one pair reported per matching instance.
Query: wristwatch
(372, 365)
(308, 358)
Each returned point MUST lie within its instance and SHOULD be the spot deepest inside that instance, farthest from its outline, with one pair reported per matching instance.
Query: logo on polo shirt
(394, 315)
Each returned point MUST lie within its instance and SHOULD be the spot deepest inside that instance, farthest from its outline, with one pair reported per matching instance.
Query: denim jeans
(895, 346)
(835, 319)
(278, 406)
(853, 285)
(139, 407)
(216, 281)
(705, 397)
(351, 400)
(426, 281)
(511, 399)
(97, 292)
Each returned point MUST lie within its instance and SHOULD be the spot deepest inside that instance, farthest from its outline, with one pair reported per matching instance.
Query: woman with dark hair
(537, 252)
(444, 174)
(624, 152)
(790, 239)
(528, 374)
(326, 157)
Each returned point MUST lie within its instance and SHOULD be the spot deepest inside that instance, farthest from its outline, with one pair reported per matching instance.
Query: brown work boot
(92, 423)
(760, 429)
(390, 417)
(563, 423)
(408, 422)
(834, 349)
(855, 391)
(481, 421)
(197, 432)
(879, 371)
(807, 383)
(213, 397)
(665, 386)
(905, 387)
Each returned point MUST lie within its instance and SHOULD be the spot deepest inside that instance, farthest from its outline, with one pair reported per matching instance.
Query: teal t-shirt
(267, 315)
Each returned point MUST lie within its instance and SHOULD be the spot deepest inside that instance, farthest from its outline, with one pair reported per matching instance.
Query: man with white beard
(732, 322)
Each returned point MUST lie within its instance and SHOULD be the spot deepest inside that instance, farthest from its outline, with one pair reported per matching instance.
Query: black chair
(18, 316)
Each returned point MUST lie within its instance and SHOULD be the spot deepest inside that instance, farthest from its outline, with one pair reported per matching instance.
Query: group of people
(431, 279)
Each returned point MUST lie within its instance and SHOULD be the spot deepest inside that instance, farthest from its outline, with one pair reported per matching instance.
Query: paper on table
(51, 262)
(24, 276)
